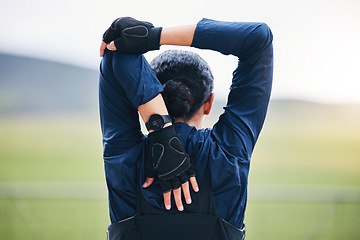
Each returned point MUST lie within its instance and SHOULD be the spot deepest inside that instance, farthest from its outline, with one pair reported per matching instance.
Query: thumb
(102, 48)
(148, 182)
(111, 46)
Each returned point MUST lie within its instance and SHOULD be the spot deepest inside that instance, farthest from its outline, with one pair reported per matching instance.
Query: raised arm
(239, 126)
(140, 90)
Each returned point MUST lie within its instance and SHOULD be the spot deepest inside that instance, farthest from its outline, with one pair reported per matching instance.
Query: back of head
(187, 80)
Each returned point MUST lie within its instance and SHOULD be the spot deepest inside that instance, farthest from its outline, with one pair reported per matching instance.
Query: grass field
(304, 179)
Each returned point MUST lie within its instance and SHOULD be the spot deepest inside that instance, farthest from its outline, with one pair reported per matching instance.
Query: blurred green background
(304, 179)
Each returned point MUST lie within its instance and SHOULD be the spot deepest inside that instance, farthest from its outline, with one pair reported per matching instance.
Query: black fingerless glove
(168, 160)
(133, 36)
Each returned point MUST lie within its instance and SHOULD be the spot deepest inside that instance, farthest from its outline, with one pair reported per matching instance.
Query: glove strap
(154, 38)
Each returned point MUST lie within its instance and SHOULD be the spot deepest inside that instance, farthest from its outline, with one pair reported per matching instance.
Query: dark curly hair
(187, 80)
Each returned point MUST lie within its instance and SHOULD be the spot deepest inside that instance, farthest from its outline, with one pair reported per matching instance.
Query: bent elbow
(263, 33)
(258, 40)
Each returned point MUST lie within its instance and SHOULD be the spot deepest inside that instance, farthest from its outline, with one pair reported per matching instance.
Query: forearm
(181, 35)
(242, 39)
(156, 105)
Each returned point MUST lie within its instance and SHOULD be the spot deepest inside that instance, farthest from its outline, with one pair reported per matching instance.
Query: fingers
(186, 191)
(177, 197)
(111, 46)
(167, 200)
(194, 184)
(148, 182)
(102, 48)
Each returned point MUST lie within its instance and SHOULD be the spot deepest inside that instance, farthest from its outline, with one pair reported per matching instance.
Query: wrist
(154, 38)
(157, 122)
(165, 126)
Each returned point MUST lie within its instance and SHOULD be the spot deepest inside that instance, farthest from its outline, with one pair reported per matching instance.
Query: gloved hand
(168, 160)
(133, 36)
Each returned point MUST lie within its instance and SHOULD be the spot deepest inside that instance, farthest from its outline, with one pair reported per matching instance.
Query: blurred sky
(316, 42)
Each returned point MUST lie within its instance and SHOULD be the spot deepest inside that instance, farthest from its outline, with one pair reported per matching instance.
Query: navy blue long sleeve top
(127, 81)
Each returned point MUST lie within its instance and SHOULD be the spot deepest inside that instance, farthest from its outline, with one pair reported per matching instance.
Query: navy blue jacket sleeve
(126, 82)
(239, 126)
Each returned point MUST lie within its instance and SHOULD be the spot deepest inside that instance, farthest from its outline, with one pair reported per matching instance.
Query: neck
(196, 121)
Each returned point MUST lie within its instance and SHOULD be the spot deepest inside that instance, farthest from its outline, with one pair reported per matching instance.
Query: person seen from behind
(179, 161)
